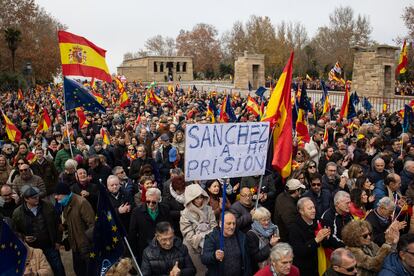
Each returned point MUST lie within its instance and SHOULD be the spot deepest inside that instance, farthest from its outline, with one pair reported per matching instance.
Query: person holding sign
(230, 260)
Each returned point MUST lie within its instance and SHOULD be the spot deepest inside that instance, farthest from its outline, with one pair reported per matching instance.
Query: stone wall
(374, 71)
(249, 67)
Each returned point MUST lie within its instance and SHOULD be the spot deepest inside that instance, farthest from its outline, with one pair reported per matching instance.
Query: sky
(123, 26)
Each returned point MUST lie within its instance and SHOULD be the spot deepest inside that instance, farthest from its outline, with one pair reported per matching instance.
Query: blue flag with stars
(108, 235)
(13, 252)
(76, 96)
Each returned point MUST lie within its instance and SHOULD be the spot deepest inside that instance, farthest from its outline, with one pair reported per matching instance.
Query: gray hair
(408, 164)
(280, 250)
(386, 203)
(153, 191)
(112, 177)
(71, 164)
(261, 213)
(302, 201)
(339, 196)
(338, 254)
(331, 164)
(116, 168)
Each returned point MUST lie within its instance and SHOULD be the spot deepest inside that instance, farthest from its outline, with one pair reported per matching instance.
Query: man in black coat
(98, 171)
(122, 202)
(321, 197)
(166, 255)
(144, 218)
(303, 240)
(380, 219)
(46, 170)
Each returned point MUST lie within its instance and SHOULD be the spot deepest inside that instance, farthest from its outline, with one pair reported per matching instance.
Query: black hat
(29, 191)
(62, 189)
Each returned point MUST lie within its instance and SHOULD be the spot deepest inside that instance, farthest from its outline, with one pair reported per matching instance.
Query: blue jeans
(53, 257)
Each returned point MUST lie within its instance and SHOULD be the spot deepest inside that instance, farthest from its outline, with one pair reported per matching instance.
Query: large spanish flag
(279, 114)
(12, 132)
(402, 63)
(44, 122)
(345, 104)
(80, 57)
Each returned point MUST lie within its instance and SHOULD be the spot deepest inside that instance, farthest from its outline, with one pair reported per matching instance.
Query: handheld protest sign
(225, 150)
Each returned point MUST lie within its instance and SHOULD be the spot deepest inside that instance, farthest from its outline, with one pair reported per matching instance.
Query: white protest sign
(225, 150)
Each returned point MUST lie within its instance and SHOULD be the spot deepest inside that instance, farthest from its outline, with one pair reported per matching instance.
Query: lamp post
(27, 72)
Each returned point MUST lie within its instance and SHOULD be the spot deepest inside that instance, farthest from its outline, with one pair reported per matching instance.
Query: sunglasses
(316, 184)
(312, 167)
(349, 269)
(149, 202)
(23, 170)
(365, 236)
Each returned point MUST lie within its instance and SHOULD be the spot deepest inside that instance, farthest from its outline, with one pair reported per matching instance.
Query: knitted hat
(62, 189)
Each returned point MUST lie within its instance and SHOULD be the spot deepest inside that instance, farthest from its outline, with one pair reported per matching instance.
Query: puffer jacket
(160, 262)
(393, 266)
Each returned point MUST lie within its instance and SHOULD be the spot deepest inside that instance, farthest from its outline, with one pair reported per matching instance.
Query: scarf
(265, 232)
(66, 199)
(131, 157)
(153, 214)
(179, 198)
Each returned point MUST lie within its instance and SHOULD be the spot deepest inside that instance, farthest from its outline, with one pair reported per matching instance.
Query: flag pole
(223, 207)
(134, 260)
(66, 118)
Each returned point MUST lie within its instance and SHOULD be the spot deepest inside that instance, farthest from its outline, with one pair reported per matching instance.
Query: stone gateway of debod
(157, 68)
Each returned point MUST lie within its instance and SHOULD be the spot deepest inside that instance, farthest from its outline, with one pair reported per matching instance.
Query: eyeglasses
(121, 172)
(411, 253)
(349, 269)
(130, 149)
(316, 184)
(365, 236)
(149, 202)
(23, 170)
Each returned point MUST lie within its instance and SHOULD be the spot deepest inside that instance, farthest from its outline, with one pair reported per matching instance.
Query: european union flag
(304, 102)
(76, 95)
(366, 104)
(229, 110)
(13, 252)
(324, 90)
(408, 117)
(260, 91)
(354, 98)
(108, 235)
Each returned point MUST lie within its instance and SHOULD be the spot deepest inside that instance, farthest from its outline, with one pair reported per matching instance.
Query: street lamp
(27, 71)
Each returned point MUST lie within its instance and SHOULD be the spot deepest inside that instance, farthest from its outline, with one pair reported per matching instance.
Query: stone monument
(249, 67)
(374, 70)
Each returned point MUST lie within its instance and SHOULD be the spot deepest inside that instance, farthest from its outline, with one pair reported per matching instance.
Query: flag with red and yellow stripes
(56, 100)
(80, 57)
(105, 136)
(20, 96)
(12, 131)
(279, 114)
(403, 61)
(81, 117)
(44, 122)
(252, 106)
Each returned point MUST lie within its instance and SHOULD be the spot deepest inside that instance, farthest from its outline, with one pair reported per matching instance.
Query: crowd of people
(404, 88)
(346, 208)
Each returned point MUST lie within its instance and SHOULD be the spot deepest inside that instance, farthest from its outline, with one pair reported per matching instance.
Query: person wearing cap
(285, 212)
(79, 220)
(64, 154)
(38, 221)
(165, 157)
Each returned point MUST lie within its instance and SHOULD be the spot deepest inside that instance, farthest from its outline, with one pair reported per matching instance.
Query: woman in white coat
(197, 220)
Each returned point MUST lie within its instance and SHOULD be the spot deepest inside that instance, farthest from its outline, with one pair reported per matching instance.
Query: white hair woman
(261, 238)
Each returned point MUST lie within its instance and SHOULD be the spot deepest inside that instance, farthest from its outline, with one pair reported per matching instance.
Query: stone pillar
(243, 71)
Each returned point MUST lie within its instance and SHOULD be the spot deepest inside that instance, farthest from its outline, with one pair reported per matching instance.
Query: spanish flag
(253, 106)
(279, 114)
(98, 97)
(154, 98)
(325, 99)
(20, 96)
(56, 100)
(124, 100)
(105, 136)
(211, 111)
(302, 131)
(80, 57)
(120, 86)
(12, 132)
(44, 122)
(403, 62)
(345, 104)
(81, 117)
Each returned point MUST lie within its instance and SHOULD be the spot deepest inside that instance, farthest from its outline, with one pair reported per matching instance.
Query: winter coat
(142, 227)
(62, 156)
(36, 263)
(392, 266)
(102, 172)
(175, 208)
(91, 188)
(116, 202)
(47, 171)
(302, 240)
(214, 202)
(314, 151)
(379, 226)
(35, 181)
(257, 253)
(243, 216)
(294, 271)
(23, 222)
(196, 223)
(336, 223)
(157, 261)
(136, 165)
(370, 258)
(79, 218)
(208, 257)
(407, 184)
(4, 174)
(285, 213)
(381, 190)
